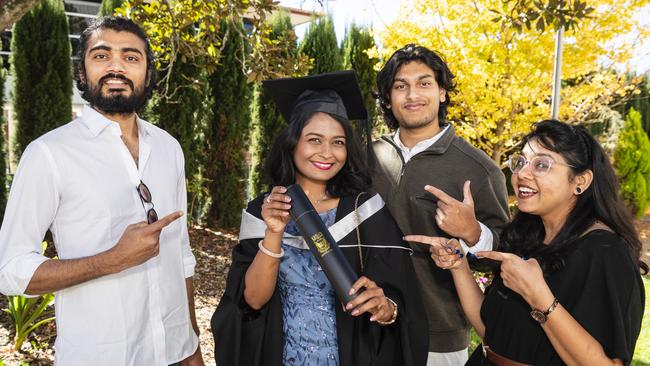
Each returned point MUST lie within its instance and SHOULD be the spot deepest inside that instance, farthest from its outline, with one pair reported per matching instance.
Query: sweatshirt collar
(420, 146)
(441, 142)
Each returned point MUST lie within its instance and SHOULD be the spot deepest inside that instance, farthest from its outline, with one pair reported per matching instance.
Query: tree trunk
(12, 10)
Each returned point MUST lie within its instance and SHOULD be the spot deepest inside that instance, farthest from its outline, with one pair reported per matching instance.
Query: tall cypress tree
(42, 70)
(3, 150)
(181, 115)
(227, 134)
(357, 41)
(320, 44)
(108, 7)
(267, 120)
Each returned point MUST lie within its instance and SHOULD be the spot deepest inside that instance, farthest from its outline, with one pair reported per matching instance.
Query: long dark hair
(409, 53)
(599, 202)
(354, 177)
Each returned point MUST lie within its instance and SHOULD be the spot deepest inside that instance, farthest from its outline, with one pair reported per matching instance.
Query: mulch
(212, 250)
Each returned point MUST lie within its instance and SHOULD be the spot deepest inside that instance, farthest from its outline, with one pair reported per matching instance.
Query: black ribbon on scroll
(322, 244)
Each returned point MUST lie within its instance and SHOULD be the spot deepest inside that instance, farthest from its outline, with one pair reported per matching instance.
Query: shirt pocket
(426, 202)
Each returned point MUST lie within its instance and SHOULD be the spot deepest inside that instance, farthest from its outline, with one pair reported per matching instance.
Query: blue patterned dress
(308, 300)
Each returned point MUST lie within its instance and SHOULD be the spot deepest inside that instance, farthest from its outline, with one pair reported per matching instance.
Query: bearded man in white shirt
(123, 280)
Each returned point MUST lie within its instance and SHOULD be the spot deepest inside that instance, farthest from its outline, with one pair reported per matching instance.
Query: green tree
(504, 71)
(321, 46)
(166, 24)
(3, 151)
(227, 133)
(182, 114)
(641, 102)
(632, 161)
(42, 70)
(357, 42)
(267, 120)
(530, 14)
(29, 313)
(108, 7)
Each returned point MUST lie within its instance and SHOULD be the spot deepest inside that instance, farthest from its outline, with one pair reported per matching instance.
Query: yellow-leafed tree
(504, 72)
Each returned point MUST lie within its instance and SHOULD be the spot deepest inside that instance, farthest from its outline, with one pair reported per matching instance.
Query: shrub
(357, 41)
(108, 7)
(3, 151)
(42, 72)
(29, 313)
(321, 46)
(182, 116)
(632, 162)
(266, 118)
(226, 134)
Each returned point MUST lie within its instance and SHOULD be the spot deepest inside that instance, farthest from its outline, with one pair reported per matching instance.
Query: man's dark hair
(409, 53)
(118, 24)
(280, 168)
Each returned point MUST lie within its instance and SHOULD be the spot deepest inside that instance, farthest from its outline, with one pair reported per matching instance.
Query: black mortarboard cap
(336, 93)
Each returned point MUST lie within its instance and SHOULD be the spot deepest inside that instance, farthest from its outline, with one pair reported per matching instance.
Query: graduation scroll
(322, 244)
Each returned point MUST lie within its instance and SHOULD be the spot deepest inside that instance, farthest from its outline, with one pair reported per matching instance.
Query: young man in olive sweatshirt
(436, 184)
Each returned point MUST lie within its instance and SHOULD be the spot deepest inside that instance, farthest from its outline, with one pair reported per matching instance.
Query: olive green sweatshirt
(446, 165)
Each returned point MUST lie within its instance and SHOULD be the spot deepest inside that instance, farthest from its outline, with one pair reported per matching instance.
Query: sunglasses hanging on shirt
(145, 198)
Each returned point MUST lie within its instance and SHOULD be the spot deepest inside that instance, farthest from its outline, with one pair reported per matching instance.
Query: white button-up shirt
(79, 181)
(486, 239)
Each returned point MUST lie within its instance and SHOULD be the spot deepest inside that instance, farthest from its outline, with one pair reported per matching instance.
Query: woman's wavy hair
(280, 169)
(599, 202)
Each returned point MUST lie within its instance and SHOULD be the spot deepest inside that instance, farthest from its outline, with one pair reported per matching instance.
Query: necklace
(323, 197)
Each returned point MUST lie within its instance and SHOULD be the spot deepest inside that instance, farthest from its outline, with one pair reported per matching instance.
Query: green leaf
(26, 315)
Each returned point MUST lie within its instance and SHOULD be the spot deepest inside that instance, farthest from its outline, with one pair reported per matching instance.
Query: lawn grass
(642, 350)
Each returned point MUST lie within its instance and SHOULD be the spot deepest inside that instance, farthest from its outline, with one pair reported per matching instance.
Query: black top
(600, 286)
(246, 337)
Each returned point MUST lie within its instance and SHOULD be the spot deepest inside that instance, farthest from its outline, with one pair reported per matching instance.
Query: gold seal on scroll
(321, 244)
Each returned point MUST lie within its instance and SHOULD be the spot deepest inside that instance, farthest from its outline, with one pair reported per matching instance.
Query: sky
(376, 13)
(379, 13)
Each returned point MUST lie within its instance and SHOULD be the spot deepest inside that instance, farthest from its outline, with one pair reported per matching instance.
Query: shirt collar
(97, 122)
(421, 145)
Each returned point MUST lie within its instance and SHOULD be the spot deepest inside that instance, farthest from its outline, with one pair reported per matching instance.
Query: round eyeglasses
(540, 165)
(145, 198)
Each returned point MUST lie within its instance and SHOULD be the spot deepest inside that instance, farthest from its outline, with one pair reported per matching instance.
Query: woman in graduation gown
(279, 307)
(568, 290)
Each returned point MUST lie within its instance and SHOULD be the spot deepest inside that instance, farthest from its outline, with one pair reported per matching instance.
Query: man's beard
(115, 102)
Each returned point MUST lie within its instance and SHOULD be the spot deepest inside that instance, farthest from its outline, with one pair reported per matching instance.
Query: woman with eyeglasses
(568, 288)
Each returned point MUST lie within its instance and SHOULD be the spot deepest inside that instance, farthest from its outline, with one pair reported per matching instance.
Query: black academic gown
(246, 337)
